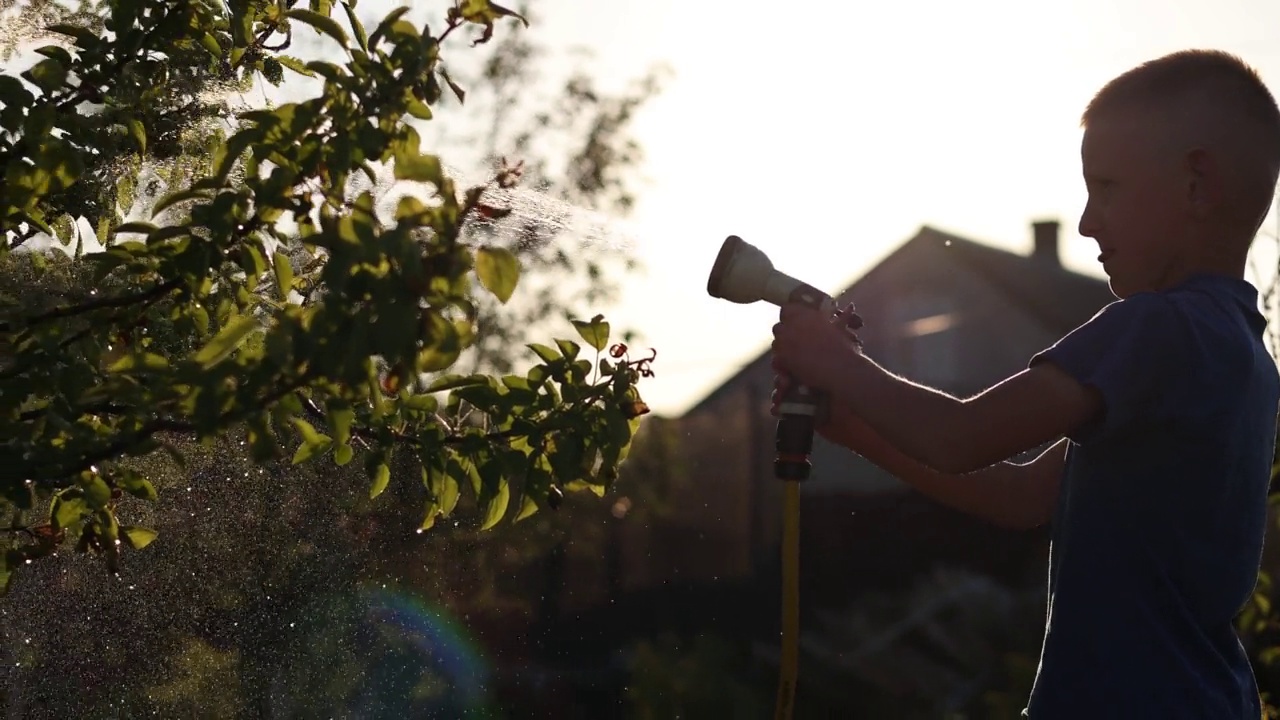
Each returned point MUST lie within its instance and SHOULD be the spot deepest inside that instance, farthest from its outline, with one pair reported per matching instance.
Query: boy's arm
(955, 436)
(1012, 495)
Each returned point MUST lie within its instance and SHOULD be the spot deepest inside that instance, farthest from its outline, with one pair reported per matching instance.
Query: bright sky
(827, 137)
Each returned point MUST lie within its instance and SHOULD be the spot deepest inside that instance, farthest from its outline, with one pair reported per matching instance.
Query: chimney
(1045, 249)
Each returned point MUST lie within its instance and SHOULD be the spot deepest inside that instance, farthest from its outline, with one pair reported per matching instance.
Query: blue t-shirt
(1157, 536)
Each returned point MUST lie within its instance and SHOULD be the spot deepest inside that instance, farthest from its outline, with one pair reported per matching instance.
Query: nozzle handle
(802, 408)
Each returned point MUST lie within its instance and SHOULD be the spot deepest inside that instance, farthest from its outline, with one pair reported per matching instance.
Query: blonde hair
(1223, 94)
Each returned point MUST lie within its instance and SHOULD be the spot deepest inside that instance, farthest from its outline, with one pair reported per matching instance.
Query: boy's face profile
(1136, 202)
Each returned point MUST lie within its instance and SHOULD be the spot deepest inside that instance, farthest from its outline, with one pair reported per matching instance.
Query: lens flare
(380, 653)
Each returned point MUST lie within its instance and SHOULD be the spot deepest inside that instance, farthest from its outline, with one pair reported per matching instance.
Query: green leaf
(176, 197)
(546, 353)
(139, 361)
(210, 43)
(326, 25)
(497, 505)
(418, 167)
(168, 232)
(449, 493)
(527, 507)
(96, 492)
(284, 274)
(598, 489)
(343, 454)
(309, 434)
(307, 450)
(391, 19)
(595, 332)
(498, 270)
(49, 75)
(458, 92)
(227, 153)
(226, 341)
(466, 470)
(356, 26)
(85, 38)
(340, 419)
(142, 228)
(66, 512)
(140, 488)
(139, 133)
(421, 403)
(418, 109)
(429, 517)
(56, 52)
(381, 477)
(486, 11)
(137, 537)
(295, 65)
(451, 381)
(569, 348)
(200, 318)
(35, 219)
(14, 93)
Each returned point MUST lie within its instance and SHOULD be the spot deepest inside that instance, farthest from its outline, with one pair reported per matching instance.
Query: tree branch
(119, 301)
(155, 426)
(70, 340)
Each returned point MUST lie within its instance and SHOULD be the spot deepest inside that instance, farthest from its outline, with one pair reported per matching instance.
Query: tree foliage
(266, 291)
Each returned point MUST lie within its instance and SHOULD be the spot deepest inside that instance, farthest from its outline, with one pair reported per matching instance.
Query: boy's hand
(838, 425)
(811, 348)
(824, 423)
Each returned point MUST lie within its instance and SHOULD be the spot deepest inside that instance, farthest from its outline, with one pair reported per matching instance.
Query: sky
(829, 133)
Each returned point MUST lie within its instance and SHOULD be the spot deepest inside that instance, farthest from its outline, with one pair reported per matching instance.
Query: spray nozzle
(743, 274)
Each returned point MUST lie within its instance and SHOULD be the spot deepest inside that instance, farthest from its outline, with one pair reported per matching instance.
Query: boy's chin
(1120, 288)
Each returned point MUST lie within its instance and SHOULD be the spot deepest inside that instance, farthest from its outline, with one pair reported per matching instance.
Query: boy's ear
(1204, 183)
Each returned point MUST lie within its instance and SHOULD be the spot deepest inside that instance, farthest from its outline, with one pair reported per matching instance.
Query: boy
(1164, 406)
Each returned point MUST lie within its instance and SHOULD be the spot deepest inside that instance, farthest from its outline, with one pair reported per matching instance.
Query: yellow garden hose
(790, 600)
(743, 274)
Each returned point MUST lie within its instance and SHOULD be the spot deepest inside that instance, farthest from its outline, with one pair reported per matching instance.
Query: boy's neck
(1231, 270)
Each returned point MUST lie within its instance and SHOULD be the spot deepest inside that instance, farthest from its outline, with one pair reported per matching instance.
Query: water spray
(743, 274)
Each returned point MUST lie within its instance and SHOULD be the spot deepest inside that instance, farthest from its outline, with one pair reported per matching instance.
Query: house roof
(1056, 296)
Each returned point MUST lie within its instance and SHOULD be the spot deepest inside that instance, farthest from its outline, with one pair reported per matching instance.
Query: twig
(118, 301)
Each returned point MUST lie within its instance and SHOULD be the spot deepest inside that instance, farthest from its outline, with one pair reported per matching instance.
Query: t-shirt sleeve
(1129, 352)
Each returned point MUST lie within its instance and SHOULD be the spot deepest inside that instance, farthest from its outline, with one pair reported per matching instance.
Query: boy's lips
(1105, 255)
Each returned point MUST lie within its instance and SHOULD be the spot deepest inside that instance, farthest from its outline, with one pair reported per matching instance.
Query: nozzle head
(739, 273)
(720, 268)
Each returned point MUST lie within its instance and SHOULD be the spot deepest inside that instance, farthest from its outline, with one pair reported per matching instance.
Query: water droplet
(947, 243)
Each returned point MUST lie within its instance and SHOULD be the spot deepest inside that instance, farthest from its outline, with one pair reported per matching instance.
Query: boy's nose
(1089, 225)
